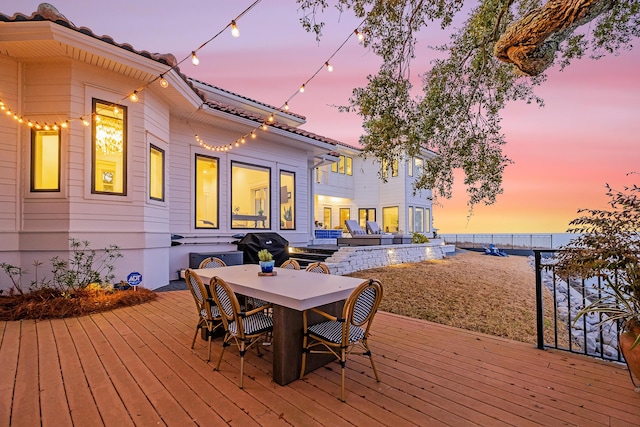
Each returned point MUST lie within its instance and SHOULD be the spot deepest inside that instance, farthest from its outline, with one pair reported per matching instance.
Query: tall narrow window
(364, 215)
(419, 164)
(45, 160)
(341, 164)
(418, 223)
(390, 219)
(334, 167)
(410, 166)
(109, 148)
(345, 214)
(207, 190)
(156, 173)
(384, 171)
(411, 219)
(250, 196)
(287, 200)
(327, 218)
(349, 166)
(394, 167)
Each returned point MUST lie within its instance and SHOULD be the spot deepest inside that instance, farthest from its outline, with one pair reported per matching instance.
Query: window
(45, 160)
(345, 214)
(334, 167)
(109, 149)
(250, 196)
(427, 220)
(327, 218)
(410, 166)
(384, 172)
(341, 164)
(419, 164)
(207, 183)
(418, 220)
(156, 173)
(390, 219)
(287, 200)
(349, 166)
(410, 219)
(364, 215)
(394, 167)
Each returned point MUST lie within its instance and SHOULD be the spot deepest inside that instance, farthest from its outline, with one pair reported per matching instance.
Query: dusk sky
(586, 135)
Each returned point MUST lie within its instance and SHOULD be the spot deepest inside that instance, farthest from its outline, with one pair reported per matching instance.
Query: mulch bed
(51, 304)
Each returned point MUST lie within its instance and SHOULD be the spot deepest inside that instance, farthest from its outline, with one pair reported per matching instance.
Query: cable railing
(503, 241)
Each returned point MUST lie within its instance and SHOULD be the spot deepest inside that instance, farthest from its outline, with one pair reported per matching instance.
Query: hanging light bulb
(329, 66)
(20, 120)
(235, 32)
(64, 124)
(115, 110)
(134, 96)
(194, 58)
(97, 118)
(30, 123)
(55, 126)
(286, 106)
(242, 140)
(163, 82)
(270, 118)
(359, 35)
(264, 126)
(85, 122)
(301, 88)
(38, 126)
(253, 135)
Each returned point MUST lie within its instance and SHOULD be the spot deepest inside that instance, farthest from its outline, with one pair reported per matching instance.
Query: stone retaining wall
(349, 259)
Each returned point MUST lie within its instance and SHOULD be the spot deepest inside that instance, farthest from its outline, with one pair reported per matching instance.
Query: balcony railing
(558, 299)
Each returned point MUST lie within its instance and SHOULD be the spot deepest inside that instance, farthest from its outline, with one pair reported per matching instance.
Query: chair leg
(343, 362)
(242, 351)
(225, 343)
(304, 356)
(193, 343)
(373, 366)
(209, 338)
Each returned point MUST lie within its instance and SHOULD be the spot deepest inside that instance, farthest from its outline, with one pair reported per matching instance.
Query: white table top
(296, 289)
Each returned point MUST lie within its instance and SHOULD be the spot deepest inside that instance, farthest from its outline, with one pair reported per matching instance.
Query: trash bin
(252, 243)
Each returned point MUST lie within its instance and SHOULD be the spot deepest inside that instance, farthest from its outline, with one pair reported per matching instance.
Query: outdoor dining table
(291, 292)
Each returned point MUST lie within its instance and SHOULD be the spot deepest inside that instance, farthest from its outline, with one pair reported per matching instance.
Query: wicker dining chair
(208, 313)
(244, 329)
(318, 267)
(212, 262)
(341, 335)
(291, 264)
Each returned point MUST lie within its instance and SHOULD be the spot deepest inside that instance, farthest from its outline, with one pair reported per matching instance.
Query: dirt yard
(469, 290)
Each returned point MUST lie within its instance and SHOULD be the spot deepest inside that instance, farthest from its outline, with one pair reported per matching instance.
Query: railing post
(539, 307)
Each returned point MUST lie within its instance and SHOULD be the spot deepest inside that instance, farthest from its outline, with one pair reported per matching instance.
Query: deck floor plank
(134, 366)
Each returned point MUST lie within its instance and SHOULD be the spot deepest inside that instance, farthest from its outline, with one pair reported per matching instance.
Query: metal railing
(558, 299)
(503, 241)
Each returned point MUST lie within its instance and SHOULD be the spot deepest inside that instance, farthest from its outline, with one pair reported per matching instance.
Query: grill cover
(252, 243)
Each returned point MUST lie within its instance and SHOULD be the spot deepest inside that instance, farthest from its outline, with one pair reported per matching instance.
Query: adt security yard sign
(134, 278)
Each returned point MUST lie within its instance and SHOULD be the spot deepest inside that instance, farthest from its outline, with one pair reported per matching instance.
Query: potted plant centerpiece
(266, 261)
(608, 250)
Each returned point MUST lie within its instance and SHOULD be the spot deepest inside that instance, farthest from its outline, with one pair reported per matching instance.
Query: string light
(163, 82)
(235, 32)
(359, 35)
(194, 58)
(302, 88)
(329, 66)
(134, 96)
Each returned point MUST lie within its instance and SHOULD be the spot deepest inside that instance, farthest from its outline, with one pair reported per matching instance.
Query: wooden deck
(133, 366)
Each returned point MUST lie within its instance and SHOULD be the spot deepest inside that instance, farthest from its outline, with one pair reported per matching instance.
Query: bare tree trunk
(531, 42)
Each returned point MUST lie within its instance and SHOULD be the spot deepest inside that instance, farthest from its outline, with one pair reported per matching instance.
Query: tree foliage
(498, 55)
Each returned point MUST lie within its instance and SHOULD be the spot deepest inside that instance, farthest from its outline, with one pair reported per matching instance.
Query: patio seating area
(134, 366)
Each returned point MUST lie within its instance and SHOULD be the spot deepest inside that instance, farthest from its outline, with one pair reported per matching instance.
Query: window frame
(293, 196)
(153, 147)
(216, 224)
(267, 224)
(94, 159)
(34, 134)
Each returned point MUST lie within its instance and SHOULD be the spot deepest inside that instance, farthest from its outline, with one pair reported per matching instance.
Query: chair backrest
(212, 262)
(373, 227)
(318, 267)
(227, 303)
(353, 227)
(291, 264)
(362, 305)
(199, 293)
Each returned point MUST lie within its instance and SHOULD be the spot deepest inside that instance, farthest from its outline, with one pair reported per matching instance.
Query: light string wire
(264, 125)
(133, 96)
